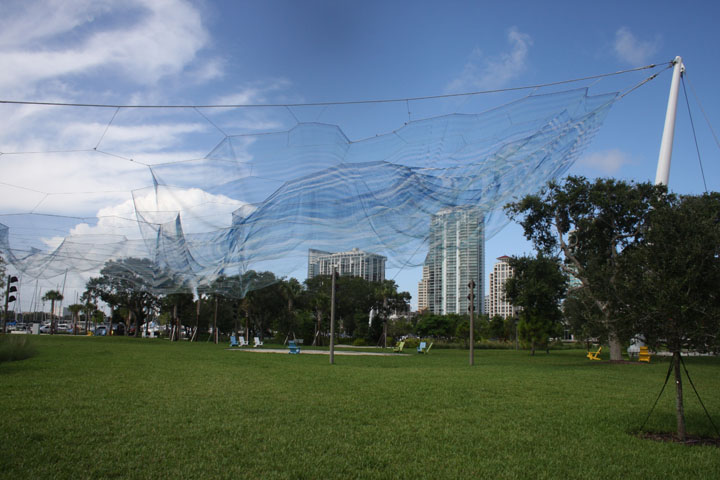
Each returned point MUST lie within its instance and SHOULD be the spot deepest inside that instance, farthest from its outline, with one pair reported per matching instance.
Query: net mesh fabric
(259, 200)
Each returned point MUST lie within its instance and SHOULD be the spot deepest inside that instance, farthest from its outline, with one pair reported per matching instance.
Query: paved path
(317, 352)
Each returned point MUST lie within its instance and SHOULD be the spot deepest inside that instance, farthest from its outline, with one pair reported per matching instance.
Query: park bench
(257, 342)
(293, 347)
(644, 355)
(233, 341)
(595, 355)
(399, 347)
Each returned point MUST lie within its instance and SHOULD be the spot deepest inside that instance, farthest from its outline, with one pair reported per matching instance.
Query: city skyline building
(354, 263)
(456, 256)
(497, 300)
(423, 286)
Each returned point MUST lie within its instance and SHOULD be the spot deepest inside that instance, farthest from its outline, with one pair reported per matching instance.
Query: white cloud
(199, 211)
(631, 49)
(483, 73)
(252, 94)
(147, 40)
(607, 161)
(143, 138)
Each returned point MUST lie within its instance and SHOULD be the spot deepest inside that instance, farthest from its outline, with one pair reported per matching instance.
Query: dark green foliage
(52, 296)
(400, 327)
(582, 316)
(16, 347)
(462, 331)
(590, 224)
(126, 284)
(440, 326)
(537, 286)
(499, 328)
(673, 276)
(355, 298)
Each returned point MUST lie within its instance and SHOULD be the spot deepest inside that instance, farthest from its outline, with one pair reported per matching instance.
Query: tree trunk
(679, 408)
(197, 318)
(52, 317)
(615, 347)
(178, 323)
(385, 333)
(215, 332)
(175, 333)
(316, 340)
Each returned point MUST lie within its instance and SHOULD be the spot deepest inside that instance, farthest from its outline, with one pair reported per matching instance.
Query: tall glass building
(456, 256)
(498, 303)
(354, 263)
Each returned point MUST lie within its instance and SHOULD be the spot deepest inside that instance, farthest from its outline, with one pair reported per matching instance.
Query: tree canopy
(589, 225)
(537, 286)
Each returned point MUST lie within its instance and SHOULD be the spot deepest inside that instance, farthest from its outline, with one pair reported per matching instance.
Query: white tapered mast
(663, 169)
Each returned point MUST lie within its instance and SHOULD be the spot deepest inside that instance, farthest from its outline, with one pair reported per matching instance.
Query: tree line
(630, 260)
(281, 308)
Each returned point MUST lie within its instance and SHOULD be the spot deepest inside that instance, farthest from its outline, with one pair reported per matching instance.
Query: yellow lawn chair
(595, 355)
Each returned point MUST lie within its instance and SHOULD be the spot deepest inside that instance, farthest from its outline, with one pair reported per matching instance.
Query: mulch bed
(690, 440)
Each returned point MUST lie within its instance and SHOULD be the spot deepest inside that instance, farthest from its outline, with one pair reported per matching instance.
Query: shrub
(15, 347)
(359, 342)
(412, 342)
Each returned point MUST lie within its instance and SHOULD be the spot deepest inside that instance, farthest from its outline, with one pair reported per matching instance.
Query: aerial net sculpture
(281, 180)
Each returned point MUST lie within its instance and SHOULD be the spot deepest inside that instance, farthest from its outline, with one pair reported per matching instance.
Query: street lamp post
(332, 317)
(471, 307)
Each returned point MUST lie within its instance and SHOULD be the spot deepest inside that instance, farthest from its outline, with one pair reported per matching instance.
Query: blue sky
(272, 51)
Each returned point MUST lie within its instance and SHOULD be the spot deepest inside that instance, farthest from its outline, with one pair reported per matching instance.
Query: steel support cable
(697, 99)
(658, 397)
(692, 124)
(350, 102)
(698, 396)
(288, 106)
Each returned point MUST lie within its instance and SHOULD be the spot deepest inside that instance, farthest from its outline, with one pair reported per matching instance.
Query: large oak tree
(671, 281)
(590, 224)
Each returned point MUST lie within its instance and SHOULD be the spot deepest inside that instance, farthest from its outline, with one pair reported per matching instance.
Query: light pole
(471, 307)
(332, 317)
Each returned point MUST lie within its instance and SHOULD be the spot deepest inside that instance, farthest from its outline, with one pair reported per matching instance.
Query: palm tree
(75, 309)
(52, 295)
(291, 290)
(89, 305)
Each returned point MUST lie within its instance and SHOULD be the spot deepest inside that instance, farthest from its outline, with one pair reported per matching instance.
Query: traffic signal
(471, 296)
(9, 298)
(11, 288)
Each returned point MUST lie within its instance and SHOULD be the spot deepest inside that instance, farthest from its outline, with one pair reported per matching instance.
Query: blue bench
(293, 347)
(421, 347)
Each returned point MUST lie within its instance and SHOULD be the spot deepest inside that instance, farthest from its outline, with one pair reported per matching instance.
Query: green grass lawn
(133, 408)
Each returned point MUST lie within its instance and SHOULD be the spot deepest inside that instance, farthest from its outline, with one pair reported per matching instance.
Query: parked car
(63, 328)
(102, 330)
(45, 328)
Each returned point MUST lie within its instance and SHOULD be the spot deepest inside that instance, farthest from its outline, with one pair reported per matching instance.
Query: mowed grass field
(133, 408)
